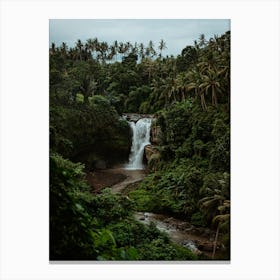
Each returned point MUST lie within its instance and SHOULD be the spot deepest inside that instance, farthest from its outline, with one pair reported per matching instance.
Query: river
(198, 239)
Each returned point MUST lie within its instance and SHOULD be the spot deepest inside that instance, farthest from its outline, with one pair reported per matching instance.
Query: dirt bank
(116, 178)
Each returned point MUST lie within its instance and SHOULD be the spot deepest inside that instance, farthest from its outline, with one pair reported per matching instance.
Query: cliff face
(135, 117)
(151, 152)
(155, 134)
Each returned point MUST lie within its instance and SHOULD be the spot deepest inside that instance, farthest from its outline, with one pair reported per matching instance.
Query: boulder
(149, 151)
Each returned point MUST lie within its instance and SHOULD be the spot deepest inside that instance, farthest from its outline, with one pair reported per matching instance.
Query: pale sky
(177, 33)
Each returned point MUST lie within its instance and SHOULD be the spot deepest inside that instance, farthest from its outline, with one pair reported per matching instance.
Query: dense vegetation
(91, 85)
(87, 227)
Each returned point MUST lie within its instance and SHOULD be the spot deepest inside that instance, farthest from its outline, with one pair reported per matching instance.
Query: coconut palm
(79, 46)
(161, 47)
(195, 78)
(63, 50)
(112, 52)
(103, 50)
(141, 51)
(53, 48)
(212, 81)
(152, 49)
(122, 49)
(91, 45)
(222, 220)
(216, 209)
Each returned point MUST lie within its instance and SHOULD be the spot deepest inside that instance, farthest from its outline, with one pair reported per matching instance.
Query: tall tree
(161, 47)
(79, 46)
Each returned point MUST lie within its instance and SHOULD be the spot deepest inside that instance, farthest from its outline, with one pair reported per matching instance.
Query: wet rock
(150, 150)
(191, 246)
(135, 117)
(146, 215)
(181, 226)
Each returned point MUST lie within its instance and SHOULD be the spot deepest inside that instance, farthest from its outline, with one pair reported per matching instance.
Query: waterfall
(140, 138)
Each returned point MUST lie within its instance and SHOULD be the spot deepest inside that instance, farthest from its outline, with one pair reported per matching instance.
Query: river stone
(191, 246)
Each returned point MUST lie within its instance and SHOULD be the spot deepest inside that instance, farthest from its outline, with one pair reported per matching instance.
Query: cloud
(177, 33)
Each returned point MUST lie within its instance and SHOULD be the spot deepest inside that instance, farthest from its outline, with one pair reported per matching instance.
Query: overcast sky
(177, 33)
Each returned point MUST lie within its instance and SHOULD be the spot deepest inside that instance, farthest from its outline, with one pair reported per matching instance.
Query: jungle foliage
(87, 227)
(91, 85)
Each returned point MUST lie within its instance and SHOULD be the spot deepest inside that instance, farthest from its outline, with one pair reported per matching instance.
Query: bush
(146, 242)
(108, 207)
(72, 229)
(198, 219)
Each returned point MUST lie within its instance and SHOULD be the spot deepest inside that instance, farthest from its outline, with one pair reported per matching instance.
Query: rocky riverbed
(198, 239)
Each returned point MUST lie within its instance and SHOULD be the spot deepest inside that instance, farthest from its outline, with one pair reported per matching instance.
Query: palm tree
(91, 45)
(53, 48)
(151, 48)
(127, 47)
(147, 52)
(161, 47)
(149, 67)
(64, 48)
(121, 48)
(141, 51)
(112, 52)
(168, 90)
(135, 48)
(212, 81)
(182, 82)
(222, 220)
(209, 205)
(79, 46)
(216, 207)
(195, 84)
(103, 49)
(202, 40)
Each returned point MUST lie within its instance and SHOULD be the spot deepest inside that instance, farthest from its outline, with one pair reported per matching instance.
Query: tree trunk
(86, 101)
(214, 97)
(183, 94)
(203, 103)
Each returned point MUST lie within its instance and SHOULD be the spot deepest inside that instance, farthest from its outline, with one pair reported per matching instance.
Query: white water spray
(140, 138)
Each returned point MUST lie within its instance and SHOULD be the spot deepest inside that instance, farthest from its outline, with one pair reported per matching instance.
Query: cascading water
(140, 138)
